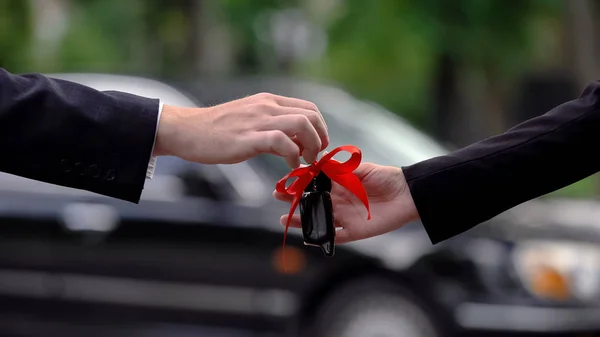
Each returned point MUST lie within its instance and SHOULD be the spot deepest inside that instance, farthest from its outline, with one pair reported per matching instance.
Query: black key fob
(316, 214)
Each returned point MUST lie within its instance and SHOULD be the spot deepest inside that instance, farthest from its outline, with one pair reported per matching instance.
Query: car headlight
(559, 270)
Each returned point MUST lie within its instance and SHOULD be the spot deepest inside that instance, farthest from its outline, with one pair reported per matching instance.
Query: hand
(238, 130)
(389, 199)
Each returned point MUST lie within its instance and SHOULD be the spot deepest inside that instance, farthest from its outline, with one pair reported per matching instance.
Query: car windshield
(383, 138)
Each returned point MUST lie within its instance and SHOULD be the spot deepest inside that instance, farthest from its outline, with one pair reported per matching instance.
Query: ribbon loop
(340, 172)
(304, 175)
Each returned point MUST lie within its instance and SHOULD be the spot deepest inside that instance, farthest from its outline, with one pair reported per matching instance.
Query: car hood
(575, 220)
(549, 219)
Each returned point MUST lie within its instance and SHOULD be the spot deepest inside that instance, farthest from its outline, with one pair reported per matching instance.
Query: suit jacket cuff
(424, 196)
(153, 159)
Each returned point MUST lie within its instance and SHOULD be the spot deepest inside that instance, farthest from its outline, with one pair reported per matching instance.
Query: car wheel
(373, 308)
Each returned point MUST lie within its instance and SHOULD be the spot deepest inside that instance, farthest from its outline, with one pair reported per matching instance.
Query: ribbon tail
(295, 203)
(353, 184)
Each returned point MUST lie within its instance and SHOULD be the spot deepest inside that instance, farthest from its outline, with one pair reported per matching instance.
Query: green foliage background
(383, 50)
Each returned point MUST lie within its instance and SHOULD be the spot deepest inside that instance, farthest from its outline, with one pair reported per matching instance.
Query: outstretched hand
(389, 198)
(239, 130)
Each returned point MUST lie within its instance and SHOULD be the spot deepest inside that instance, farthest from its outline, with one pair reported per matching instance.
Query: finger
(299, 127)
(309, 107)
(314, 118)
(295, 223)
(364, 169)
(300, 103)
(343, 236)
(278, 143)
(283, 197)
(300, 146)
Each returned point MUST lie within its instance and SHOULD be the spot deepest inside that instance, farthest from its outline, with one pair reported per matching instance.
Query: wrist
(407, 204)
(413, 212)
(167, 130)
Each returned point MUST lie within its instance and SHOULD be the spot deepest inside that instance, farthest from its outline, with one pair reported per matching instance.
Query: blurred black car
(203, 247)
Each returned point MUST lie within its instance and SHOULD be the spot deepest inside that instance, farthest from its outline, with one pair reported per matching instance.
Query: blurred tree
(15, 34)
(155, 37)
(381, 51)
(171, 44)
(50, 21)
(104, 36)
(398, 52)
(489, 44)
(582, 39)
(207, 50)
(581, 45)
(253, 54)
(449, 66)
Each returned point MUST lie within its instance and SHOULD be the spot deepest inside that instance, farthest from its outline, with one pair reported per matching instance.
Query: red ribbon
(341, 173)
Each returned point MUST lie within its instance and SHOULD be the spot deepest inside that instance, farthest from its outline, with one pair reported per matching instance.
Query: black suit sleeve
(68, 134)
(455, 192)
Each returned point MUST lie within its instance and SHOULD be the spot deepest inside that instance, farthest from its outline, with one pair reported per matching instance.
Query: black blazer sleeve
(455, 192)
(71, 135)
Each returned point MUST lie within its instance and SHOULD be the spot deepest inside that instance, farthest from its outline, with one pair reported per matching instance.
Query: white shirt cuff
(152, 163)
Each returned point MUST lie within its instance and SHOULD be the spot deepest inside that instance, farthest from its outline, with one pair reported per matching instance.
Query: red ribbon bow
(341, 173)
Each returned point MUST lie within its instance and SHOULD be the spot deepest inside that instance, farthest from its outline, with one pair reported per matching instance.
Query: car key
(316, 214)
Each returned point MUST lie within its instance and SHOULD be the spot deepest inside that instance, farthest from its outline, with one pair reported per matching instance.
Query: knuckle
(261, 107)
(264, 96)
(313, 107)
(313, 143)
(313, 117)
(277, 137)
(319, 143)
(301, 120)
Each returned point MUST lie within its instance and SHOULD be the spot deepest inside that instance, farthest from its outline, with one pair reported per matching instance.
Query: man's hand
(238, 130)
(389, 199)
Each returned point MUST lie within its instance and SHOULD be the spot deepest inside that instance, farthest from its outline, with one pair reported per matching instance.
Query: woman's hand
(389, 199)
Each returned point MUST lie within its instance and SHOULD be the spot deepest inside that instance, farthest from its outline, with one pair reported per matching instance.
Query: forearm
(71, 135)
(455, 192)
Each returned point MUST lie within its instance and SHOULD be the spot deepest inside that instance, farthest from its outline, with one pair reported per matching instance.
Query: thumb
(323, 154)
(364, 169)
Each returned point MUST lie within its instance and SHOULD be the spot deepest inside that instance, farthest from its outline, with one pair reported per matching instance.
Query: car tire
(373, 308)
